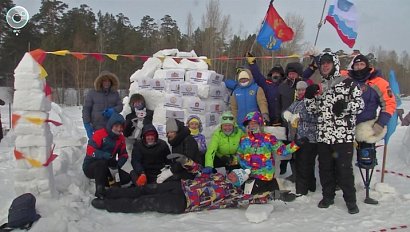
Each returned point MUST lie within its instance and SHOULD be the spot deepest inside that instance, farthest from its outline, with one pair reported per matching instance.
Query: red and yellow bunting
(35, 163)
(35, 120)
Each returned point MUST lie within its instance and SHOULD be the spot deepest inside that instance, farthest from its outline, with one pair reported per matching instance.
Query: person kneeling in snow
(257, 151)
(205, 192)
(102, 149)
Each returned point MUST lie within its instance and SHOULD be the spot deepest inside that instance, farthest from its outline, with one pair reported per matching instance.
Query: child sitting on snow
(136, 120)
(194, 124)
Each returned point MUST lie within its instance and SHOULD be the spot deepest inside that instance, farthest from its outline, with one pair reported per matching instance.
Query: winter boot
(100, 191)
(283, 166)
(325, 203)
(352, 207)
(98, 203)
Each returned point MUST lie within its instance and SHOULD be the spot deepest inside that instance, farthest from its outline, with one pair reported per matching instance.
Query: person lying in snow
(204, 192)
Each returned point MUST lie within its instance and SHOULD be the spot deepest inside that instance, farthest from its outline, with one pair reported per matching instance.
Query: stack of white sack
(179, 86)
(33, 135)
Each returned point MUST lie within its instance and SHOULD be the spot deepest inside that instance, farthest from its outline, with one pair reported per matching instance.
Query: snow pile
(33, 136)
(179, 84)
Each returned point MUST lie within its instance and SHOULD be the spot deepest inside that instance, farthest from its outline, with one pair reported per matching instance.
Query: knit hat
(227, 118)
(171, 125)
(238, 176)
(326, 57)
(294, 67)
(301, 85)
(360, 58)
(253, 116)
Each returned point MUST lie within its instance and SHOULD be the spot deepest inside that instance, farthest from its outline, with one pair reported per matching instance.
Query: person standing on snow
(336, 102)
(371, 126)
(105, 150)
(270, 86)
(224, 144)
(302, 124)
(248, 97)
(101, 102)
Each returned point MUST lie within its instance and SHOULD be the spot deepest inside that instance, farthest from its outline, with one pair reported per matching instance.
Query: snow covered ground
(71, 211)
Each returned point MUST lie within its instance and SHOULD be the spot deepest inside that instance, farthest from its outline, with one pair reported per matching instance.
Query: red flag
(282, 31)
(98, 56)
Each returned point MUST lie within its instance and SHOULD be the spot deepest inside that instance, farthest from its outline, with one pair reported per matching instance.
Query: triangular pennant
(208, 61)
(193, 59)
(131, 57)
(55, 123)
(50, 159)
(34, 163)
(112, 56)
(224, 58)
(43, 72)
(78, 55)
(61, 52)
(178, 60)
(47, 90)
(144, 58)
(294, 56)
(97, 56)
(18, 154)
(35, 120)
(39, 55)
(14, 119)
(162, 58)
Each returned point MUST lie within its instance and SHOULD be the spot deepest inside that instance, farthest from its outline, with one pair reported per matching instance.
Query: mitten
(250, 58)
(142, 180)
(311, 91)
(377, 129)
(108, 112)
(339, 107)
(89, 129)
(164, 175)
(178, 158)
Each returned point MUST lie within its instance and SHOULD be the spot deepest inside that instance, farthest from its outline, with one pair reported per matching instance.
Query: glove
(250, 58)
(165, 174)
(294, 120)
(339, 107)
(179, 158)
(121, 162)
(142, 180)
(301, 141)
(287, 115)
(377, 129)
(266, 118)
(311, 91)
(108, 112)
(89, 129)
(207, 170)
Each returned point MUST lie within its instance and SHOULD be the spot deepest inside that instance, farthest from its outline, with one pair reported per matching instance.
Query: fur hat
(171, 125)
(294, 67)
(360, 58)
(238, 176)
(364, 132)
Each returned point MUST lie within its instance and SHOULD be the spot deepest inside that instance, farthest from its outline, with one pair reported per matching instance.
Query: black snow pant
(167, 197)
(335, 166)
(305, 160)
(261, 186)
(218, 163)
(99, 170)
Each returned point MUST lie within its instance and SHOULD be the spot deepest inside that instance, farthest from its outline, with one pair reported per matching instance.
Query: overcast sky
(381, 22)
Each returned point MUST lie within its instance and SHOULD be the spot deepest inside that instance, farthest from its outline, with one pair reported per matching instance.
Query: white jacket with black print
(332, 129)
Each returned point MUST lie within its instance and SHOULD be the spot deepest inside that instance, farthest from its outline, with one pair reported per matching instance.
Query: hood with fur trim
(364, 132)
(104, 75)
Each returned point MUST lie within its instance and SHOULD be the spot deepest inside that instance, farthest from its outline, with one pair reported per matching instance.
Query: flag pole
(384, 161)
(320, 22)
(254, 42)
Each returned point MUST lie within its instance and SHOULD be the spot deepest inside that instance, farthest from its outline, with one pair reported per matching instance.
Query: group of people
(179, 175)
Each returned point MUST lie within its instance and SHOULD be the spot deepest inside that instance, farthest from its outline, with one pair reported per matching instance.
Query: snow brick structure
(33, 136)
(178, 84)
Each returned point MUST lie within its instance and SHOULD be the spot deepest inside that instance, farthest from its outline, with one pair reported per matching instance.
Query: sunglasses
(227, 118)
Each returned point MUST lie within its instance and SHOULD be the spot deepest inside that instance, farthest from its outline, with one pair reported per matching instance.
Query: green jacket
(222, 145)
